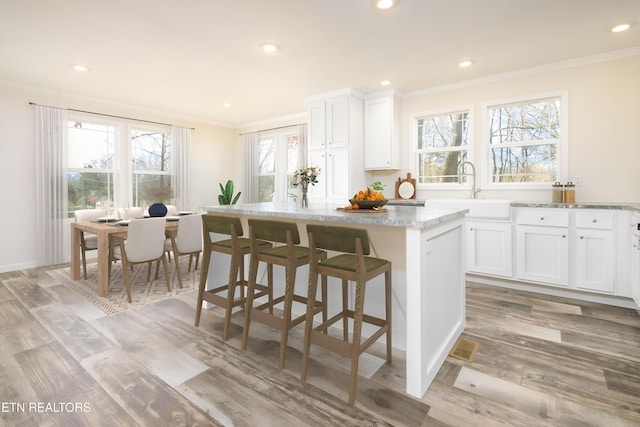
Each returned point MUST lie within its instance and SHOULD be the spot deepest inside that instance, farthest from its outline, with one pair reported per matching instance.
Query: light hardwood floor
(542, 361)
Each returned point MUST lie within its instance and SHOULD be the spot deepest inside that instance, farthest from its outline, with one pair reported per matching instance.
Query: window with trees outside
(524, 140)
(105, 169)
(91, 165)
(279, 155)
(442, 142)
(151, 167)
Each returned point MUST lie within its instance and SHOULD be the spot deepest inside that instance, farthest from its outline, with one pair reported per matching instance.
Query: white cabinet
(542, 246)
(489, 247)
(594, 249)
(336, 144)
(634, 270)
(381, 132)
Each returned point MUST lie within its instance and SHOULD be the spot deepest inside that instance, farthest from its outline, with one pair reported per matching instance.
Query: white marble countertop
(579, 205)
(393, 216)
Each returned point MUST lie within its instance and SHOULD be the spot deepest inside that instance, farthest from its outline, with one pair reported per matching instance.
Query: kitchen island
(425, 248)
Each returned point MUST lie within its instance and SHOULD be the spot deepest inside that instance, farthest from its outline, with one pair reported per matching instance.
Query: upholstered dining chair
(186, 241)
(131, 213)
(88, 241)
(144, 243)
(172, 210)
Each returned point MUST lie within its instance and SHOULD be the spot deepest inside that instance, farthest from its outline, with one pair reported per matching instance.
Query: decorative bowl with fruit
(367, 199)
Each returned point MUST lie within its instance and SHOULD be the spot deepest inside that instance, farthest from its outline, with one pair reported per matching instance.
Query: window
(279, 155)
(91, 165)
(524, 141)
(106, 170)
(442, 142)
(150, 167)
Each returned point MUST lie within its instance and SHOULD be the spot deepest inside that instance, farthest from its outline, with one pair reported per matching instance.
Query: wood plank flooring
(542, 361)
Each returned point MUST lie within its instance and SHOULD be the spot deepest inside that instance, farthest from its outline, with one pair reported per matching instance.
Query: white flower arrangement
(305, 176)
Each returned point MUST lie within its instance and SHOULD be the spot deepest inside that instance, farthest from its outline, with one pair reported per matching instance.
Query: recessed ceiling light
(384, 4)
(269, 47)
(80, 67)
(385, 82)
(466, 63)
(622, 27)
(227, 105)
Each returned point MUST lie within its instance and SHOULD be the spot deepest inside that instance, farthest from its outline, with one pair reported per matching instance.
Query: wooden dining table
(104, 231)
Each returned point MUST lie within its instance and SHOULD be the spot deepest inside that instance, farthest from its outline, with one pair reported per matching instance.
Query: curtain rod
(276, 128)
(108, 115)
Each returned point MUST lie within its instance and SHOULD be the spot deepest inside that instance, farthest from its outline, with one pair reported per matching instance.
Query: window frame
(123, 152)
(467, 108)
(484, 171)
(129, 178)
(281, 177)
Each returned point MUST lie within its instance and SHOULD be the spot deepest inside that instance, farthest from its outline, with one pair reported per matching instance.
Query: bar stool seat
(237, 247)
(290, 255)
(352, 264)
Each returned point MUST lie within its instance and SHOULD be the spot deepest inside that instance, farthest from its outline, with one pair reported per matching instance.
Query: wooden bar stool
(290, 255)
(236, 246)
(353, 264)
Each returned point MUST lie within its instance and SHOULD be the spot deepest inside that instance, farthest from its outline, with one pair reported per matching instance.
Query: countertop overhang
(393, 216)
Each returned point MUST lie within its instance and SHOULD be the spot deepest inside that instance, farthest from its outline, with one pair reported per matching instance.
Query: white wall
(604, 128)
(214, 160)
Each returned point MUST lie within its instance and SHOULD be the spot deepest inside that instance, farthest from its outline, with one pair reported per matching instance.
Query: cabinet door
(543, 254)
(337, 125)
(317, 126)
(595, 260)
(489, 248)
(635, 270)
(319, 190)
(378, 133)
(338, 174)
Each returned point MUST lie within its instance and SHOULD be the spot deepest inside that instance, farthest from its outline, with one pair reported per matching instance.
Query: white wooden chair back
(189, 236)
(145, 239)
(87, 214)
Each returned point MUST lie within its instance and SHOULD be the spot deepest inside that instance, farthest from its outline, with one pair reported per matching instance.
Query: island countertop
(393, 216)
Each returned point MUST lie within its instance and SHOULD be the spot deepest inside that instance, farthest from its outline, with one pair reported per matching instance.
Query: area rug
(464, 350)
(142, 292)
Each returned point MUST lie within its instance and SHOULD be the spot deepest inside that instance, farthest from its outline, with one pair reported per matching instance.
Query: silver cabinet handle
(582, 237)
(564, 235)
(541, 218)
(594, 221)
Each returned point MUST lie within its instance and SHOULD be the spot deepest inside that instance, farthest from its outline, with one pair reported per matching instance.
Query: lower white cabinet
(595, 254)
(543, 254)
(489, 247)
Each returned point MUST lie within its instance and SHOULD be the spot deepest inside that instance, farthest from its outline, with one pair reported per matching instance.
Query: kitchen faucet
(472, 174)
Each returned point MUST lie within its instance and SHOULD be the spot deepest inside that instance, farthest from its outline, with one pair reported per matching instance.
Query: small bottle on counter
(570, 192)
(557, 193)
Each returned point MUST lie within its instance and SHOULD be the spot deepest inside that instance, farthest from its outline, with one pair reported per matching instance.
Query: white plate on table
(172, 218)
(124, 222)
(185, 213)
(107, 219)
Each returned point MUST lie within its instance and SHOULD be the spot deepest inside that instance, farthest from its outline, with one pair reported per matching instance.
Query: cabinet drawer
(548, 217)
(602, 220)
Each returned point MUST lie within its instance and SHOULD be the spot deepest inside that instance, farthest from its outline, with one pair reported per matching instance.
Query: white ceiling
(188, 57)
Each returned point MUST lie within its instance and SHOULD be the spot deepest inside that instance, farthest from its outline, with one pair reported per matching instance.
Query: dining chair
(352, 263)
(287, 252)
(131, 213)
(186, 241)
(88, 241)
(144, 243)
(172, 210)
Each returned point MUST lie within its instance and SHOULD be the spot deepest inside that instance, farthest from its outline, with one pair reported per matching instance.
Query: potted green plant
(226, 196)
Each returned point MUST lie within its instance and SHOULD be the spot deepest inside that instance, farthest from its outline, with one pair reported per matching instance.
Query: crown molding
(586, 60)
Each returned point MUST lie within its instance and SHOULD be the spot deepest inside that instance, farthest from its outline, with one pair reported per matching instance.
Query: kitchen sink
(478, 208)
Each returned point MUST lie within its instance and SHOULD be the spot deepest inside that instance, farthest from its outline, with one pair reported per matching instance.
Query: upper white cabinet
(336, 144)
(382, 132)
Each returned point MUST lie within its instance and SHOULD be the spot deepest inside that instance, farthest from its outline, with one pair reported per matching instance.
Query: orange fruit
(380, 196)
(356, 206)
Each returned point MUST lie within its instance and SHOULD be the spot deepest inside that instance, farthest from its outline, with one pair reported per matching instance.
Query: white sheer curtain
(250, 142)
(181, 141)
(51, 185)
